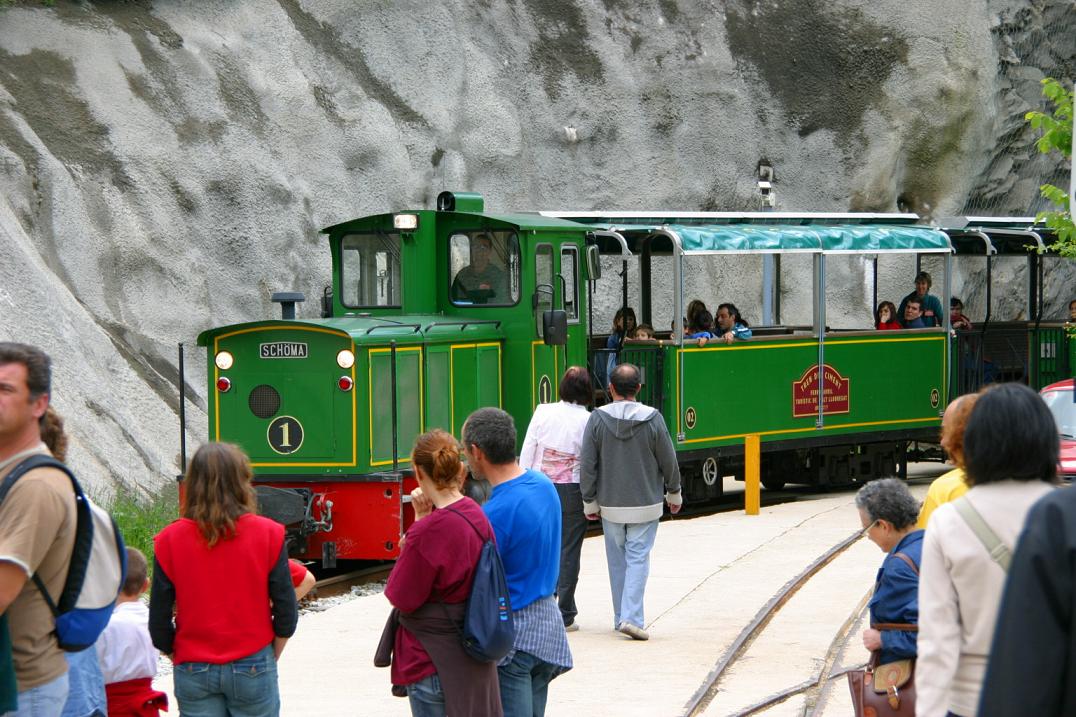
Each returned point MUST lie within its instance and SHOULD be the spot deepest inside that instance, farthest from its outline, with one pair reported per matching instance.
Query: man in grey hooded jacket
(627, 469)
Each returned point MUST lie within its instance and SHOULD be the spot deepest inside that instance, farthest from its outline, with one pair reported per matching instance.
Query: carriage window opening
(569, 263)
(370, 270)
(543, 275)
(484, 268)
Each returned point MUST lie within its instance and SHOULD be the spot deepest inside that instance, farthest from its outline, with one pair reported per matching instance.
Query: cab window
(370, 270)
(569, 269)
(484, 268)
(543, 283)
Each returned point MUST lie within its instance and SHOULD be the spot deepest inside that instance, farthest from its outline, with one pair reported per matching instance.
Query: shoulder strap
(907, 559)
(473, 526)
(999, 551)
(42, 460)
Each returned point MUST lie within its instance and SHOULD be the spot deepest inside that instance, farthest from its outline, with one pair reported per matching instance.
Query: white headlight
(224, 360)
(405, 222)
(345, 359)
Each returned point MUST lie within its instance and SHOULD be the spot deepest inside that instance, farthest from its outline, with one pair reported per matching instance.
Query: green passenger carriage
(434, 313)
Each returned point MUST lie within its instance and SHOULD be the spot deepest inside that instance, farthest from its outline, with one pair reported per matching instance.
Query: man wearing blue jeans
(37, 533)
(524, 510)
(627, 469)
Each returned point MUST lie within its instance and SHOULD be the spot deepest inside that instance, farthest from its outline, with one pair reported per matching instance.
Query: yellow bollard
(752, 487)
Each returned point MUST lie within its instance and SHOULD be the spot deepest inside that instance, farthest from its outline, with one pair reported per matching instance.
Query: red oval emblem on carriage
(835, 390)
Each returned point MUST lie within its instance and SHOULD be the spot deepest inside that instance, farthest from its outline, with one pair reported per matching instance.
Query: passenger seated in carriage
(700, 327)
(913, 314)
(956, 315)
(885, 317)
(930, 310)
(731, 326)
(643, 332)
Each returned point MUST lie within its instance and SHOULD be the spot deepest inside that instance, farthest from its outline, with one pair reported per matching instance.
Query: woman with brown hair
(224, 650)
(552, 445)
(429, 586)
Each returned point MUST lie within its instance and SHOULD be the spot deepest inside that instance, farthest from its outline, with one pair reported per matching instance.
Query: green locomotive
(434, 313)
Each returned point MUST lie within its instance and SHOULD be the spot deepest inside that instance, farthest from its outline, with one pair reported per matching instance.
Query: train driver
(482, 281)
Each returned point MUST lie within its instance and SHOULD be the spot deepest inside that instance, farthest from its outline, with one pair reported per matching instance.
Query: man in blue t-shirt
(524, 510)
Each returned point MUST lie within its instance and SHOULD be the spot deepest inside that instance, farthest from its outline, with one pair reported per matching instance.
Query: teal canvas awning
(837, 238)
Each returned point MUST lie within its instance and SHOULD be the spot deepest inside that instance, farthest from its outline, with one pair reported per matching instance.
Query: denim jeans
(627, 550)
(85, 685)
(573, 528)
(427, 698)
(246, 687)
(45, 700)
(524, 683)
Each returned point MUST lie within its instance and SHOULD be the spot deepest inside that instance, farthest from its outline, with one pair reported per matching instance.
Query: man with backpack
(524, 510)
(38, 521)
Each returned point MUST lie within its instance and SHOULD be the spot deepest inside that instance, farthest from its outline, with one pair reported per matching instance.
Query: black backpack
(488, 631)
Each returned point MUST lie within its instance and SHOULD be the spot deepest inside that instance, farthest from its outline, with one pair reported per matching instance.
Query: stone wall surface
(164, 166)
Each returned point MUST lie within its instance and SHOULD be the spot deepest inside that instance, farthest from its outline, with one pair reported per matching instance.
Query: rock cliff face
(165, 166)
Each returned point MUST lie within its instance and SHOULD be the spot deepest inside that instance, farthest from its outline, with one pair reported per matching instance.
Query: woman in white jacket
(1010, 454)
(554, 438)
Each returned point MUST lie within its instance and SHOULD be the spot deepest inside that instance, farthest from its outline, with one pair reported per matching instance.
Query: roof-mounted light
(405, 222)
(224, 360)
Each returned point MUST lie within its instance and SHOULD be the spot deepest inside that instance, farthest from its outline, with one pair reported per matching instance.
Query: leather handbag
(883, 690)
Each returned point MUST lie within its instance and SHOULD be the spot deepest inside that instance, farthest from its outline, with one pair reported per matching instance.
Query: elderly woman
(888, 513)
(1010, 457)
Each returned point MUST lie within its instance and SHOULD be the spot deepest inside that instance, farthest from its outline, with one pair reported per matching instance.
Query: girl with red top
(223, 572)
(429, 586)
(885, 317)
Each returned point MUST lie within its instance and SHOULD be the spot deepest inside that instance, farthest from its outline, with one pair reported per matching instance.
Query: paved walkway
(709, 577)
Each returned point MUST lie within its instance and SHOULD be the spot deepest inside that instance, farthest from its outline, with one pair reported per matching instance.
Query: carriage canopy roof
(751, 236)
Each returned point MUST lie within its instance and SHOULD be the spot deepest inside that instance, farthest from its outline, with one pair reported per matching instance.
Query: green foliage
(1056, 129)
(140, 520)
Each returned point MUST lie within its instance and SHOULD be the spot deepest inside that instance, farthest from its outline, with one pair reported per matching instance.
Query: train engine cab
(412, 336)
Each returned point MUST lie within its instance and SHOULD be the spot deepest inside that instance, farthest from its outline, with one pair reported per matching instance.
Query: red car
(1058, 396)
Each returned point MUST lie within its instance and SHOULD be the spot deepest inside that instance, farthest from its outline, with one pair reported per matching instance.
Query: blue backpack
(488, 631)
(97, 569)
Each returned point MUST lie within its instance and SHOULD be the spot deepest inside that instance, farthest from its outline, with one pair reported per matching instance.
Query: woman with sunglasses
(888, 513)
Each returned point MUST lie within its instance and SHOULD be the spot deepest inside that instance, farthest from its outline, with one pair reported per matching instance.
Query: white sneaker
(633, 631)
(573, 626)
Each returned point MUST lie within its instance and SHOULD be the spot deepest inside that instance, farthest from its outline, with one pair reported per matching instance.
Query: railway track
(340, 583)
(706, 692)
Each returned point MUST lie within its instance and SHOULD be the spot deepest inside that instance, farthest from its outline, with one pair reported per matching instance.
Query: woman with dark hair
(885, 317)
(1010, 460)
(693, 307)
(552, 445)
(224, 650)
(429, 586)
(701, 325)
(731, 326)
(887, 512)
(624, 323)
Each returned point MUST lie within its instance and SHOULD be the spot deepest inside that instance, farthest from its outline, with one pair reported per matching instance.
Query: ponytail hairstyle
(734, 313)
(52, 433)
(218, 490)
(438, 454)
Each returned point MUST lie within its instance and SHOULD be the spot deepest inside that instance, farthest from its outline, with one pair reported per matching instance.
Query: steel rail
(706, 692)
